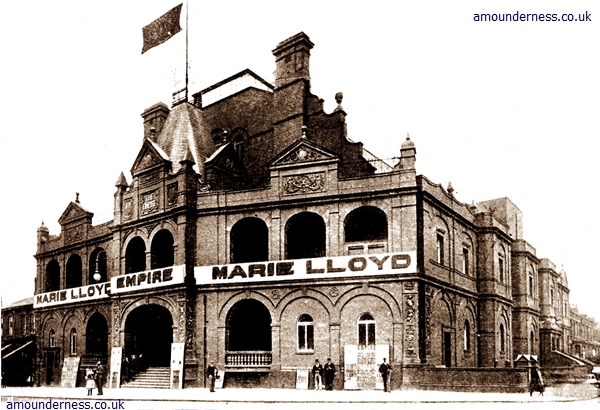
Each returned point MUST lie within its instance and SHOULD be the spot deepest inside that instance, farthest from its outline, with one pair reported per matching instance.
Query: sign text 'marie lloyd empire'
(304, 269)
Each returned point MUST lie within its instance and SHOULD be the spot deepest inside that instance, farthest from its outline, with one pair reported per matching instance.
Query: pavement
(558, 393)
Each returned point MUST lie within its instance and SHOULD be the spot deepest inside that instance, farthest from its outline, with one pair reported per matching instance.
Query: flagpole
(186, 48)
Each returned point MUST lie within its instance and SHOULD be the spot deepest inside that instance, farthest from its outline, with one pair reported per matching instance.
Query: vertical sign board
(177, 353)
(69, 372)
(116, 358)
(382, 352)
(302, 379)
(350, 363)
(220, 380)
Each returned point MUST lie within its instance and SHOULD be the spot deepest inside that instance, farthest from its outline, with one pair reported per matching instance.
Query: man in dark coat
(329, 371)
(211, 373)
(100, 376)
(385, 369)
(317, 372)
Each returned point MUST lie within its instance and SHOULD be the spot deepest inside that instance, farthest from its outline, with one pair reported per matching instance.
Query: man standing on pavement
(329, 370)
(385, 369)
(317, 372)
(100, 376)
(211, 373)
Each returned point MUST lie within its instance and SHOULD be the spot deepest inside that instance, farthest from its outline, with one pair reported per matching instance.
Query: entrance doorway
(148, 336)
(96, 336)
(249, 327)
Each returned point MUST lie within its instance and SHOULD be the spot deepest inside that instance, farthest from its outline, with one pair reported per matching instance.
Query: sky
(500, 109)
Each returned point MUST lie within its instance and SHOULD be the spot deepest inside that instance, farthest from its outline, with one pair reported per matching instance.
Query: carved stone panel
(172, 194)
(305, 183)
(127, 208)
(149, 202)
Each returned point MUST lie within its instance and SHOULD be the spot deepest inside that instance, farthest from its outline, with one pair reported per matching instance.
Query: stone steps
(152, 377)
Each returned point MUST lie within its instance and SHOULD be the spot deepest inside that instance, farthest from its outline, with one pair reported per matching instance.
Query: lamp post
(97, 275)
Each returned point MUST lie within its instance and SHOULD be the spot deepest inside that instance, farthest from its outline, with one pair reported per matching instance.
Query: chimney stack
(155, 117)
(292, 58)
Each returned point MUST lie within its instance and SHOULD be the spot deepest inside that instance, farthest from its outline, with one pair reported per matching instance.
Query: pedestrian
(329, 371)
(212, 373)
(317, 372)
(100, 376)
(385, 369)
(89, 381)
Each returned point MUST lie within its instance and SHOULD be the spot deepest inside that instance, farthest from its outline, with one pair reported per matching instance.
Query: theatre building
(254, 232)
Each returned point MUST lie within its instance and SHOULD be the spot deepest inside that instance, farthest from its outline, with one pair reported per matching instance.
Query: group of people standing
(94, 378)
(323, 374)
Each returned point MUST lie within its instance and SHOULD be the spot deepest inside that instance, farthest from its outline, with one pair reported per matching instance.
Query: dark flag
(162, 29)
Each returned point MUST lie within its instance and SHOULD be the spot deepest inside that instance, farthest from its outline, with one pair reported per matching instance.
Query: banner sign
(125, 283)
(80, 294)
(308, 269)
(149, 279)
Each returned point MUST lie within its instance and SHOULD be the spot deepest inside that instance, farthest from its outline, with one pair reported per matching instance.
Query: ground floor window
(306, 340)
(366, 332)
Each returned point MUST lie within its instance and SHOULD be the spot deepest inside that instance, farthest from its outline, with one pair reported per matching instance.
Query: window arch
(97, 265)
(74, 271)
(502, 265)
(439, 246)
(52, 276)
(249, 239)
(162, 250)
(135, 256)
(73, 342)
(366, 223)
(305, 236)
(366, 332)
(51, 338)
(306, 338)
(238, 138)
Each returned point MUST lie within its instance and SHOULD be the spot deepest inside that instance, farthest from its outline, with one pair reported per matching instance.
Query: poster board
(350, 363)
(302, 379)
(219, 381)
(177, 354)
(69, 372)
(116, 358)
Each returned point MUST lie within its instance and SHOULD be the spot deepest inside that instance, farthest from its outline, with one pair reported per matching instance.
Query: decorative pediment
(149, 157)
(302, 151)
(74, 212)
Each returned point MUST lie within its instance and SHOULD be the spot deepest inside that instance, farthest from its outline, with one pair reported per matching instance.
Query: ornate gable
(301, 152)
(226, 160)
(149, 157)
(74, 212)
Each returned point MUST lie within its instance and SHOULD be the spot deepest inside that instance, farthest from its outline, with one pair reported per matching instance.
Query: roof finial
(304, 128)
(339, 96)
(77, 197)
(450, 189)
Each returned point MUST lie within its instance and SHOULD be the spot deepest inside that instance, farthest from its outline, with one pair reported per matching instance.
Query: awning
(17, 349)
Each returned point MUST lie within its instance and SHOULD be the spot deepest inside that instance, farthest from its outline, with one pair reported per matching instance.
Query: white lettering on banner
(80, 294)
(303, 269)
(148, 279)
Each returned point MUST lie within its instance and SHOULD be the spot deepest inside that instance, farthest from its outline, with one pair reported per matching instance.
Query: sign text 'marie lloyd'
(303, 269)
(80, 294)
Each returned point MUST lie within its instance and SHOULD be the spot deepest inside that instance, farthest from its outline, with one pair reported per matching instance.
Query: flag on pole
(162, 29)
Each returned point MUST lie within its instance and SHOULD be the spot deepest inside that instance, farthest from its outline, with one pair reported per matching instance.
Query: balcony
(248, 360)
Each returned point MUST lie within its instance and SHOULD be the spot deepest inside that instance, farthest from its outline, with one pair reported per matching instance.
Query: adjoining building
(255, 233)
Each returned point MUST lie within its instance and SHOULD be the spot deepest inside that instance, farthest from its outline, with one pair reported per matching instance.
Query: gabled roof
(73, 212)
(184, 131)
(302, 151)
(149, 156)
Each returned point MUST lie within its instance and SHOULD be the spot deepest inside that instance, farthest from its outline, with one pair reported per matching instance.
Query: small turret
(43, 235)
(408, 154)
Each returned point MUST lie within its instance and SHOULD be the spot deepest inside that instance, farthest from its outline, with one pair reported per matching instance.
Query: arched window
(305, 236)
(467, 336)
(502, 336)
(306, 340)
(364, 224)
(135, 256)
(439, 247)
(501, 265)
(74, 271)
(366, 332)
(73, 342)
(51, 338)
(531, 343)
(162, 250)
(239, 137)
(52, 276)
(249, 241)
(531, 287)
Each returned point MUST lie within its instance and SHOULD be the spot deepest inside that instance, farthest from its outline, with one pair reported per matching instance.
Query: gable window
(440, 248)
(366, 332)
(306, 330)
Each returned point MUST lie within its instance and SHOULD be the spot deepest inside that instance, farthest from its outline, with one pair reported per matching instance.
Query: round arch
(312, 294)
(52, 276)
(366, 223)
(148, 334)
(305, 236)
(135, 255)
(162, 249)
(248, 327)
(74, 271)
(385, 296)
(96, 335)
(249, 241)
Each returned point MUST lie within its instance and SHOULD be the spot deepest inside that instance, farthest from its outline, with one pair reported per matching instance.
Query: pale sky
(498, 108)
